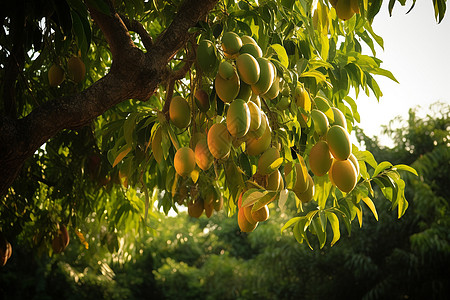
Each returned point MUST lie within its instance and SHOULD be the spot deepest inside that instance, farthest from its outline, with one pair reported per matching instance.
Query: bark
(133, 75)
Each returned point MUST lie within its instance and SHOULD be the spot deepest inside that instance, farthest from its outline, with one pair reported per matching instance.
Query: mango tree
(112, 110)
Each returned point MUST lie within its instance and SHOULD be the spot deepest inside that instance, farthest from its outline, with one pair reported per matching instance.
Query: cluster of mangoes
(75, 68)
(332, 153)
(5, 250)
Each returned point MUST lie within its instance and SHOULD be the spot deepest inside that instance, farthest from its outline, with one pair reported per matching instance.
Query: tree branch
(136, 26)
(134, 75)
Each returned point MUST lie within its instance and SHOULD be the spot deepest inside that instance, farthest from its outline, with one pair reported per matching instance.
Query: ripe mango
(238, 118)
(338, 140)
(344, 9)
(231, 43)
(180, 112)
(301, 183)
(320, 158)
(55, 75)
(76, 69)
(203, 157)
(202, 100)
(320, 122)
(245, 92)
(273, 91)
(343, 175)
(255, 116)
(339, 118)
(184, 161)
(354, 160)
(195, 208)
(252, 49)
(219, 141)
(248, 68)
(206, 55)
(302, 98)
(244, 224)
(248, 40)
(307, 195)
(256, 146)
(208, 207)
(61, 239)
(261, 214)
(274, 181)
(266, 77)
(227, 89)
(266, 159)
(248, 214)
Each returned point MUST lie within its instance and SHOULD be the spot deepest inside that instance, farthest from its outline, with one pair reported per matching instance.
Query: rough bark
(133, 75)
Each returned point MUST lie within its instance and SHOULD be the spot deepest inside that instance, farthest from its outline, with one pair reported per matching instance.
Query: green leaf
(371, 206)
(251, 196)
(281, 53)
(381, 167)
(269, 197)
(334, 222)
(406, 168)
(367, 157)
(321, 234)
(383, 72)
(290, 223)
(323, 187)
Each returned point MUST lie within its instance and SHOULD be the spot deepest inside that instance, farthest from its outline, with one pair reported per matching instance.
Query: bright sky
(417, 52)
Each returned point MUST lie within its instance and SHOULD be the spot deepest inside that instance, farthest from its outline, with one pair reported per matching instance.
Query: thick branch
(137, 27)
(135, 76)
(115, 31)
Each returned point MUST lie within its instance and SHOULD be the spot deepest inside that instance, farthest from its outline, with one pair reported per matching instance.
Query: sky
(417, 52)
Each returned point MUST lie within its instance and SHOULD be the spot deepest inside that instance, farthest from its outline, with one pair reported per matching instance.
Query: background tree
(82, 145)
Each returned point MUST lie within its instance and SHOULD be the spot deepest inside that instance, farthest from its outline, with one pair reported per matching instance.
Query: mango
(231, 43)
(261, 129)
(320, 122)
(343, 175)
(266, 77)
(338, 140)
(354, 160)
(339, 118)
(245, 92)
(302, 98)
(307, 195)
(266, 160)
(184, 161)
(344, 9)
(206, 55)
(248, 68)
(227, 89)
(195, 207)
(208, 207)
(252, 49)
(274, 181)
(261, 214)
(238, 118)
(195, 138)
(219, 141)
(320, 158)
(226, 70)
(256, 146)
(202, 100)
(248, 40)
(76, 69)
(273, 91)
(244, 224)
(255, 116)
(203, 156)
(180, 112)
(248, 214)
(55, 75)
(301, 183)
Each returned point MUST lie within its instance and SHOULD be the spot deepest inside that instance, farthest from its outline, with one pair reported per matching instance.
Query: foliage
(103, 180)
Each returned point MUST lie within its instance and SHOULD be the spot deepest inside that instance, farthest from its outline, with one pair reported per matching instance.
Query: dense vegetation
(211, 259)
